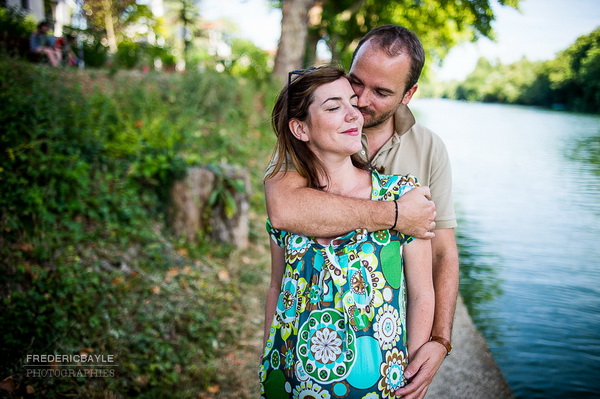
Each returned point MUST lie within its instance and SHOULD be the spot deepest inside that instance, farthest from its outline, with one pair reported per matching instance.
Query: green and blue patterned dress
(339, 329)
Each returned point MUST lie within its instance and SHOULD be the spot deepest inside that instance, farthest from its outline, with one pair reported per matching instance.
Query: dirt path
(238, 368)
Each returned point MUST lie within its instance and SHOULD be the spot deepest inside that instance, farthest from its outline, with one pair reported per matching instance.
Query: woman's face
(334, 123)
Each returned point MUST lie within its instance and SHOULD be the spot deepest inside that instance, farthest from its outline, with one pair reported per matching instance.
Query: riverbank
(469, 372)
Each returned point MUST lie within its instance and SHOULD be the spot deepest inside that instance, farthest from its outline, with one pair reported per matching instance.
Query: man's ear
(299, 129)
(409, 94)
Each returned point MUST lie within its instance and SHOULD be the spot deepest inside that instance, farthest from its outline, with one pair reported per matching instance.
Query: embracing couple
(364, 261)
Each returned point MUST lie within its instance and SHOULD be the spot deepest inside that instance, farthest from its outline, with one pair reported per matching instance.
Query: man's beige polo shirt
(417, 151)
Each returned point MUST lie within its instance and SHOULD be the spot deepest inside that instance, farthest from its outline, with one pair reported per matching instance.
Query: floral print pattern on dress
(339, 326)
(392, 373)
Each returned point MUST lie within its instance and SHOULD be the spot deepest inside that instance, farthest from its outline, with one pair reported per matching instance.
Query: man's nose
(363, 99)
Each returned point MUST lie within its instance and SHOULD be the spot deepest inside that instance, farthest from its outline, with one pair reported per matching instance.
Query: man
(41, 43)
(384, 72)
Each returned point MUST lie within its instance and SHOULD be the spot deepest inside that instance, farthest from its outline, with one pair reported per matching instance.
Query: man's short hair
(395, 40)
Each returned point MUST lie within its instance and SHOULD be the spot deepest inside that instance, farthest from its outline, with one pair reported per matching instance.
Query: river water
(527, 195)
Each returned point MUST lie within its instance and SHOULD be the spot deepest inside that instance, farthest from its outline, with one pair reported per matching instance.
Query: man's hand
(416, 213)
(421, 370)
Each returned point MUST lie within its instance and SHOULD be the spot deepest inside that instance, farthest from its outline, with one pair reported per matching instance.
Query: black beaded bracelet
(396, 218)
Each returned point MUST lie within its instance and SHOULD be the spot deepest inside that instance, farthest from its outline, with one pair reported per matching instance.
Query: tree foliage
(183, 14)
(574, 75)
(249, 61)
(494, 82)
(440, 24)
(112, 18)
(15, 22)
(571, 80)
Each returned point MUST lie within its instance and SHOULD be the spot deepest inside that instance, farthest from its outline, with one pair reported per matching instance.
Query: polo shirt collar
(404, 120)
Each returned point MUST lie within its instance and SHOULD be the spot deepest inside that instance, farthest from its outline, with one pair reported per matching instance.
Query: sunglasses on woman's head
(298, 72)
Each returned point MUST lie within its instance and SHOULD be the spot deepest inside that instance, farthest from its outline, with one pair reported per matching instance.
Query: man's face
(379, 81)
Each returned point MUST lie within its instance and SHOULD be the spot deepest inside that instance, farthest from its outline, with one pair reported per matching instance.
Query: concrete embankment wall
(469, 372)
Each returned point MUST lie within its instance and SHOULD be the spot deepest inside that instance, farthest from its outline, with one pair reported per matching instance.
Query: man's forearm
(445, 281)
(444, 310)
(311, 212)
(294, 207)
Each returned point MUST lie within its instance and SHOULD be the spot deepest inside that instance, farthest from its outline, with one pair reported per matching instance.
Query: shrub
(87, 160)
(128, 55)
(15, 22)
(95, 54)
(15, 28)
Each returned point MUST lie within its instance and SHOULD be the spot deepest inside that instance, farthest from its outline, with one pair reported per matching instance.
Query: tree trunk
(294, 29)
(235, 229)
(189, 197)
(315, 15)
(311, 48)
(111, 37)
(190, 212)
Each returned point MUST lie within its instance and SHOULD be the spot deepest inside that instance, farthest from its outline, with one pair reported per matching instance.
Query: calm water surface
(527, 194)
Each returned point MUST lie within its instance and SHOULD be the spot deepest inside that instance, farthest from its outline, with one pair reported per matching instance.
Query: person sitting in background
(41, 43)
(65, 45)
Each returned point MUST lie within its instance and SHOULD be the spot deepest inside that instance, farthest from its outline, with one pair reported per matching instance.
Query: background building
(57, 12)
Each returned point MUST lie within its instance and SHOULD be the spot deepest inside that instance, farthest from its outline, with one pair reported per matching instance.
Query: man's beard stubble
(375, 120)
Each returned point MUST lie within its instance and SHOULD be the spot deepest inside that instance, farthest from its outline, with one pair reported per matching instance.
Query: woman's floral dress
(339, 326)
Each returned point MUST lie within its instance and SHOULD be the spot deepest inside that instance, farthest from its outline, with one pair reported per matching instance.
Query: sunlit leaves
(124, 14)
(440, 24)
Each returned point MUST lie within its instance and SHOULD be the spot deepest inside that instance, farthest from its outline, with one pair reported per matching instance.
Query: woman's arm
(421, 299)
(277, 268)
(292, 206)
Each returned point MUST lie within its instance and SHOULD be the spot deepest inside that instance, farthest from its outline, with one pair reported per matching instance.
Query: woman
(342, 314)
